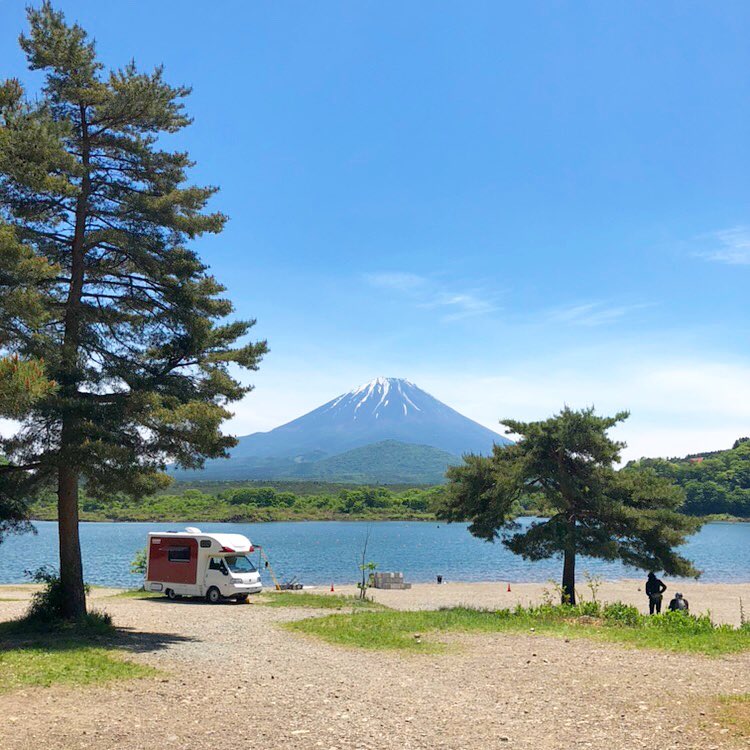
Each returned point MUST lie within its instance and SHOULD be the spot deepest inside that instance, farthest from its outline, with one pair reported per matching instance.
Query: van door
(217, 574)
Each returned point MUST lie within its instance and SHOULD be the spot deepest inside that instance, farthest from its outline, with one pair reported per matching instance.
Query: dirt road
(233, 677)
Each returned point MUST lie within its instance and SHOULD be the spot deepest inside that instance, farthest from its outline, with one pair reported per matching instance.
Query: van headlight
(236, 580)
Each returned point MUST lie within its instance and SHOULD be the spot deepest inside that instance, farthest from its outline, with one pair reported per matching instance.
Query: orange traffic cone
(508, 586)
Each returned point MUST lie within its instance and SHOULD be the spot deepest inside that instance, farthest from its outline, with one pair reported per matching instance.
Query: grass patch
(35, 652)
(316, 601)
(40, 653)
(734, 711)
(619, 623)
(67, 662)
(42, 648)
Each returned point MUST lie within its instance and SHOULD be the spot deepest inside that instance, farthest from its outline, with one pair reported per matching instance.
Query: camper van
(193, 563)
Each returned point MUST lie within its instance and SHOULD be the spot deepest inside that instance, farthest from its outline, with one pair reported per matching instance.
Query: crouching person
(679, 604)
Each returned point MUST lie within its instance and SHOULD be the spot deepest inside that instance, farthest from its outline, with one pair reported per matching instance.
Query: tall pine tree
(594, 510)
(97, 220)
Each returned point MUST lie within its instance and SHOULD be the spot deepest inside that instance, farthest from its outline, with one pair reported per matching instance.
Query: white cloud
(428, 293)
(733, 247)
(593, 313)
(396, 280)
(676, 407)
(459, 306)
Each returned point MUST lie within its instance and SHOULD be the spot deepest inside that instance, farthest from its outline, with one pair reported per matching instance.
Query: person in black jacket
(654, 591)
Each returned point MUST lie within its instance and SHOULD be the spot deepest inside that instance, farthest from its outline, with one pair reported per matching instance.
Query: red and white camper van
(193, 563)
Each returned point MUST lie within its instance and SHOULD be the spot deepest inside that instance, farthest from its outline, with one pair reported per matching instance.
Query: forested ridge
(260, 503)
(716, 483)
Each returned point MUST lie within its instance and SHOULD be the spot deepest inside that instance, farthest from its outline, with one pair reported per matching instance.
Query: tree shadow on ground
(191, 600)
(13, 635)
(141, 641)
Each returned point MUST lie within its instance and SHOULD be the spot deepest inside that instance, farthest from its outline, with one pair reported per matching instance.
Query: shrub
(47, 603)
(622, 614)
(589, 609)
(682, 622)
(46, 608)
(138, 564)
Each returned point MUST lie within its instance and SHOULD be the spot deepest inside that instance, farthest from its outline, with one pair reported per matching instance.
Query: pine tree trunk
(569, 577)
(569, 562)
(71, 568)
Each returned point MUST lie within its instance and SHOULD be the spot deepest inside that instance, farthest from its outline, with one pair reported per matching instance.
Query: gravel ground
(232, 676)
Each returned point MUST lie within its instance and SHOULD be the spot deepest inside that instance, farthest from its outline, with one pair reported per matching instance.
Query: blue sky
(515, 206)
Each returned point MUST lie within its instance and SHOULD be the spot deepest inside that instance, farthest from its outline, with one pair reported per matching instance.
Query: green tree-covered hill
(385, 462)
(388, 461)
(714, 483)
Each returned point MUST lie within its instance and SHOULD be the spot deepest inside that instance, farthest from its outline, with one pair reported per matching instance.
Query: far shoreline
(359, 519)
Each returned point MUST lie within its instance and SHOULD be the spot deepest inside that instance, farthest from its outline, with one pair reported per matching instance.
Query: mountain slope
(383, 409)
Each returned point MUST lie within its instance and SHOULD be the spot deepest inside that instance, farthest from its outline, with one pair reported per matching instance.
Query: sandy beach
(721, 600)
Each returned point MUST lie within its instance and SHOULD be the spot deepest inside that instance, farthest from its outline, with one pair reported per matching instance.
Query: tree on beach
(594, 510)
(98, 282)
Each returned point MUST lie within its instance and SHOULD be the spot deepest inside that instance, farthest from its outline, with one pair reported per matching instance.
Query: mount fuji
(364, 432)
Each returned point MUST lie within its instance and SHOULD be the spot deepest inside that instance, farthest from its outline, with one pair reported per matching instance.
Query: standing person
(654, 590)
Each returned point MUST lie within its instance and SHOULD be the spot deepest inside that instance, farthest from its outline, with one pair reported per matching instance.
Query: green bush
(47, 606)
(589, 609)
(681, 622)
(622, 614)
(47, 603)
(138, 563)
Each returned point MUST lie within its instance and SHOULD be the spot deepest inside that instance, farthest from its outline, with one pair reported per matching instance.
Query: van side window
(217, 564)
(205, 542)
(178, 554)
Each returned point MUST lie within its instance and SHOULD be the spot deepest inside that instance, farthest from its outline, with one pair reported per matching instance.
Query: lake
(322, 552)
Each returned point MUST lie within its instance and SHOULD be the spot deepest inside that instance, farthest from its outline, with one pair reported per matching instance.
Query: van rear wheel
(213, 595)
(170, 594)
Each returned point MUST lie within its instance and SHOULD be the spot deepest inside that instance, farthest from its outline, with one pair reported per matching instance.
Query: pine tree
(595, 511)
(130, 325)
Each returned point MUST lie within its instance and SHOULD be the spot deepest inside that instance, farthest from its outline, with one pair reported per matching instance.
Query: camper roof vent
(192, 530)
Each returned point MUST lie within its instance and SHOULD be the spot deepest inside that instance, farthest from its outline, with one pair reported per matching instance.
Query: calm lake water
(321, 552)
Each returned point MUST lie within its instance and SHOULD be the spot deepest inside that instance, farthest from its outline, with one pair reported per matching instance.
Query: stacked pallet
(389, 581)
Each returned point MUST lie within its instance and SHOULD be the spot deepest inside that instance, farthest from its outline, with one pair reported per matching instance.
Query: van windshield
(239, 564)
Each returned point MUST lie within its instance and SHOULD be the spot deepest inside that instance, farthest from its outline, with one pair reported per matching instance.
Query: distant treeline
(719, 484)
(716, 483)
(258, 504)
(299, 501)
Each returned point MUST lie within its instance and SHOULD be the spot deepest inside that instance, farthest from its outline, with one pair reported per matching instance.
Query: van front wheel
(213, 595)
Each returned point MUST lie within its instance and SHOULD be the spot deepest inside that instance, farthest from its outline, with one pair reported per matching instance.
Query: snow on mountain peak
(377, 395)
